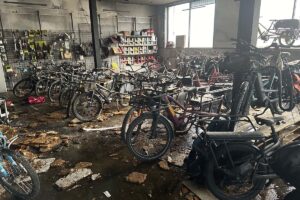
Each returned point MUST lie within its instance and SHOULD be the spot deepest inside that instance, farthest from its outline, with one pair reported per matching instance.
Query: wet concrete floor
(111, 159)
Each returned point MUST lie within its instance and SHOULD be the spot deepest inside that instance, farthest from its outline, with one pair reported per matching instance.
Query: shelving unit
(138, 49)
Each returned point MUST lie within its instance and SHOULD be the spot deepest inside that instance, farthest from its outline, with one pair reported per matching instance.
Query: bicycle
(234, 165)
(16, 175)
(26, 86)
(256, 90)
(286, 31)
(88, 105)
(160, 116)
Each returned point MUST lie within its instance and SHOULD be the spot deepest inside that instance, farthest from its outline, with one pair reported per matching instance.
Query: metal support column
(95, 33)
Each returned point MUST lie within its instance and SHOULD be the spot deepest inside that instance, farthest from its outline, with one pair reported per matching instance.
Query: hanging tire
(87, 106)
(140, 141)
(222, 179)
(22, 181)
(24, 88)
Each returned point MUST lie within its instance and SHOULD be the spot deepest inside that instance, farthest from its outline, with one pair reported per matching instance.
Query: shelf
(141, 54)
(135, 36)
(139, 45)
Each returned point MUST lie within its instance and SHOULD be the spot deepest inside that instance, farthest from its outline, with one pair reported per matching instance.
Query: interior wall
(25, 17)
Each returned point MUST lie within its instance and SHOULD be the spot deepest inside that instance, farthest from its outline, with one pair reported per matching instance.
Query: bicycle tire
(130, 134)
(64, 97)
(31, 173)
(41, 87)
(287, 93)
(283, 37)
(79, 115)
(127, 121)
(212, 182)
(53, 95)
(29, 83)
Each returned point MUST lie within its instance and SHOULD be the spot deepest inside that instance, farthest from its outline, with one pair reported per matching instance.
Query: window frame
(189, 23)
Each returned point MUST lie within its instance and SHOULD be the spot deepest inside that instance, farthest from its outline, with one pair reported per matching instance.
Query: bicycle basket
(287, 24)
(207, 103)
(236, 62)
(137, 99)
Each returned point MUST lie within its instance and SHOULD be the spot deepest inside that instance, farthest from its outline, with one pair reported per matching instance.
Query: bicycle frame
(266, 33)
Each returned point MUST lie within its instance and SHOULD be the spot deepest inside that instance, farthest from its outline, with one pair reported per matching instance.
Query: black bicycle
(234, 165)
(264, 81)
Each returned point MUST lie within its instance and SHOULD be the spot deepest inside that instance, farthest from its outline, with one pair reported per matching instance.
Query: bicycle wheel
(232, 180)
(132, 114)
(65, 96)
(145, 144)
(287, 100)
(287, 38)
(17, 176)
(87, 106)
(124, 94)
(54, 91)
(41, 87)
(24, 88)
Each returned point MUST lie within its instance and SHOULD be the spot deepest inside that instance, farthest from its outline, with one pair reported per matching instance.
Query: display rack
(138, 49)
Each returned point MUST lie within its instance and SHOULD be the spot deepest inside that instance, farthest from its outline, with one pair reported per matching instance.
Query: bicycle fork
(3, 171)
(155, 117)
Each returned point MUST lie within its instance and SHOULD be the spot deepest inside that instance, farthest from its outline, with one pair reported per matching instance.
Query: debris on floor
(196, 191)
(121, 112)
(28, 154)
(75, 121)
(102, 129)
(95, 177)
(64, 172)
(72, 178)
(164, 165)
(82, 165)
(42, 141)
(58, 163)
(136, 177)
(107, 194)
(177, 158)
(42, 165)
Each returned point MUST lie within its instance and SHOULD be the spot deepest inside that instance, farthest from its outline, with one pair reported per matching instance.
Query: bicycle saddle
(236, 136)
(268, 122)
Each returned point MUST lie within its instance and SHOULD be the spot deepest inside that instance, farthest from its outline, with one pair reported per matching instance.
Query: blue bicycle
(16, 174)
